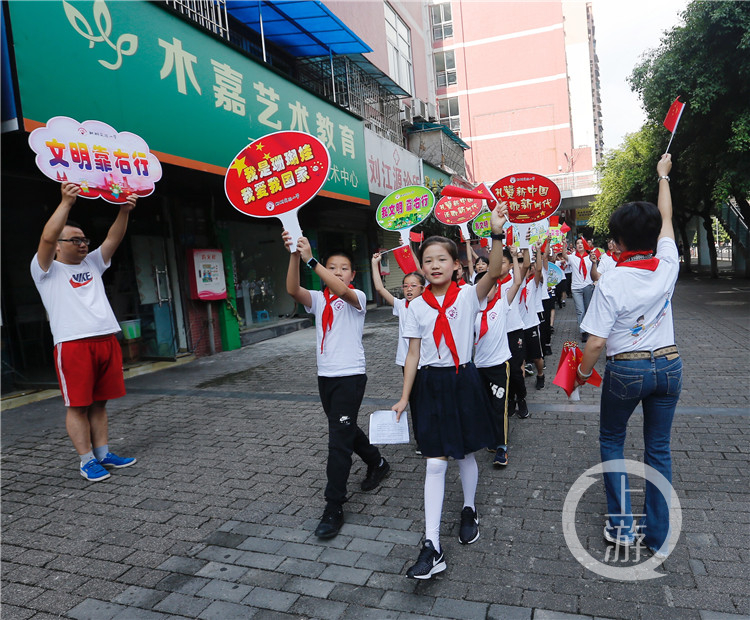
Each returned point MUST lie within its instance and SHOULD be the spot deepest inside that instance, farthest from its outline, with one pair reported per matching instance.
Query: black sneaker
(331, 522)
(539, 382)
(523, 409)
(511, 408)
(529, 369)
(469, 531)
(501, 458)
(375, 475)
(429, 563)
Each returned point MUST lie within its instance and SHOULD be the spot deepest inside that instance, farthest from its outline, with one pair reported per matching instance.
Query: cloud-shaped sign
(95, 156)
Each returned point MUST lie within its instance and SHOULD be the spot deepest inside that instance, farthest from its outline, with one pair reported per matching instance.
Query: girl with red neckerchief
(631, 315)
(582, 286)
(454, 412)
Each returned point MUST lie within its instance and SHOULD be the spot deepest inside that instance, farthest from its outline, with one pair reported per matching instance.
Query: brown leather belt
(644, 355)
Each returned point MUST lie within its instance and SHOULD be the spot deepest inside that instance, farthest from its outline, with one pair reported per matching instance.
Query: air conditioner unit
(420, 109)
(405, 115)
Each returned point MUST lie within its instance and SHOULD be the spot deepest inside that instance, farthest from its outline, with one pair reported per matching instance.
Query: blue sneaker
(93, 471)
(112, 460)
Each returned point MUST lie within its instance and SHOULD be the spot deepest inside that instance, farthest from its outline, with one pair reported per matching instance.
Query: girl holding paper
(454, 411)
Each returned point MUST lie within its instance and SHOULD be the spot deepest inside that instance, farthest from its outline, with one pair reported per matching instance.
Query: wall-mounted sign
(390, 166)
(530, 197)
(92, 154)
(207, 280)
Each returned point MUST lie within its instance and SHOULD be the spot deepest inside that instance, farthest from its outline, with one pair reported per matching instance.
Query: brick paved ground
(216, 519)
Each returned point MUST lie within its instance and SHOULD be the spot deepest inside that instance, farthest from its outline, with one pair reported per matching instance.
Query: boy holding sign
(339, 320)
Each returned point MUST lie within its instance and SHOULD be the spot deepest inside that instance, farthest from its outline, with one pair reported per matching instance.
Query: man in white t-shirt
(87, 355)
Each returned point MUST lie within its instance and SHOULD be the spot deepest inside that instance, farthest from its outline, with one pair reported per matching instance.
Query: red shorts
(89, 370)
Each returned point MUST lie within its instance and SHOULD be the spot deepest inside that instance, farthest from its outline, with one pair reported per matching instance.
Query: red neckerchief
(505, 280)
(407, 303)
(442, 325)
(483, 326)
(649, 261)
(524, 296)
(327, 318)
(582, 265)
(608, 253)
(461, 282)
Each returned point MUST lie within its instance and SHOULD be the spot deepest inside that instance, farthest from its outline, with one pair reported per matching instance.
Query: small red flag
(416, 237)
(674, 114)
(509, 236)
(564, 228)
(554, 221)
(543, 249)
(405, 259)
(479, 192)
(484, 242)
(586, 245)
(570, 358)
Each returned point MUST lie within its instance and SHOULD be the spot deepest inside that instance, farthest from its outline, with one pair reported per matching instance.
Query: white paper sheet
(384, 429)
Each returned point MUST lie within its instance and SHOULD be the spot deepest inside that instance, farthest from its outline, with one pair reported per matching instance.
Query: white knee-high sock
(434, 491)
(469, 471)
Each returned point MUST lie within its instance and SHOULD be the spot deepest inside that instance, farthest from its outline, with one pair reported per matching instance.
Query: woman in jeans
(631, 314)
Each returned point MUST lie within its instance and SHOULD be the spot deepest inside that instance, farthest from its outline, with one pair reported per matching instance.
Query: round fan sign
(481, 225)
(530, 197)
(405, 208)
(458, 212)
(554, 276)
(277, 174)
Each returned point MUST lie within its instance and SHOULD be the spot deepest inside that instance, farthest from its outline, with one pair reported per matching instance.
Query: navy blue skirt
(455, 414)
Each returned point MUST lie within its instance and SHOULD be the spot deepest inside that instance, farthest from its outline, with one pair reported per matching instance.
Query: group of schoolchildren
(462, 349)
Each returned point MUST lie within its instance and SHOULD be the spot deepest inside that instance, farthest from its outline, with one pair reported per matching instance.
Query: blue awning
(302, 28)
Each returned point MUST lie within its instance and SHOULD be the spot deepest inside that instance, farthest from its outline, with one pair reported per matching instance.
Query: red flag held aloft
(416, 237)
(674, 114)
(405, 259)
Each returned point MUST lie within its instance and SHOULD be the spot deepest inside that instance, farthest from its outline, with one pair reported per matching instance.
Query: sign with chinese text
(277, 174)
(405, 208)
(92, 154)
(458, 212)
(389, 166)
(481, 225)
(194, 98)
(583, 215)
(526, 235)
(207, 280)
(530, 197)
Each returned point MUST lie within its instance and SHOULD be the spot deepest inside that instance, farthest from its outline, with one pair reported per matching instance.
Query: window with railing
(442, 21)
(211, 14)
(398, 40)
(449, 114)
(445, 68)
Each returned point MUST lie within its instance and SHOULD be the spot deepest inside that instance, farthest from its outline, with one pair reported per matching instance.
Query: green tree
(707, 62)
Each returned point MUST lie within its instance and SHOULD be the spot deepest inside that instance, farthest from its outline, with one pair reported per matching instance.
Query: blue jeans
(582, 299)
(656, 383)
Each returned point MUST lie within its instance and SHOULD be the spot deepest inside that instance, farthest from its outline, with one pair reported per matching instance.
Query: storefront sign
(93, 155)
(458, 212)
(530, 197)
(390, 166)
(207, 280)
(583, 215)
(191, 96)
(276, 175)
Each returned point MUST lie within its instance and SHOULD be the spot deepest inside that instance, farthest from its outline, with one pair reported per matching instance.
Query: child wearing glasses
(412, 285)
(87, 355)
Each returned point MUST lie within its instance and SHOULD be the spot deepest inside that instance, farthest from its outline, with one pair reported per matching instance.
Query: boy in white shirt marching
(339, 321)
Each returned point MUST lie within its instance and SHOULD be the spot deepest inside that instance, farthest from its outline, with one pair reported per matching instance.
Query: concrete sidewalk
(216, 518)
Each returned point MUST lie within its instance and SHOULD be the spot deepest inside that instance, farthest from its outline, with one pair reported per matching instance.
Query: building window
(449, 115)
(398, 37)
(445, 68)
(442, 21)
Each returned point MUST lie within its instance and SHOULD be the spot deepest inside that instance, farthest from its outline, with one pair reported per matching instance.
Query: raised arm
(299, 294)
(517, 279)
(377, 280)
(664, 201)
(54, 226)
(495, 268)
(595, 275)
(538, 262)
(415, 256)
(470, 258)
(117, 231)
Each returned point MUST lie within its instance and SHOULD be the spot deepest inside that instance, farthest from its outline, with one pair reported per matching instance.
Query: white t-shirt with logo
(400, 310)
(420, 323)
(492, 349)
(343, 354)
(632, 308)
(527, 308)
(513, 321)
(75, 299)
(579, 281)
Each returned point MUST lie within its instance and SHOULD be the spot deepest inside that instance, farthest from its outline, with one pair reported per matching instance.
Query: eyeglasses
(411, 286)
(77, 241)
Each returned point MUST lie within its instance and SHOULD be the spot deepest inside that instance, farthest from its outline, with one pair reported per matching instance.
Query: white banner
(389, 166)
